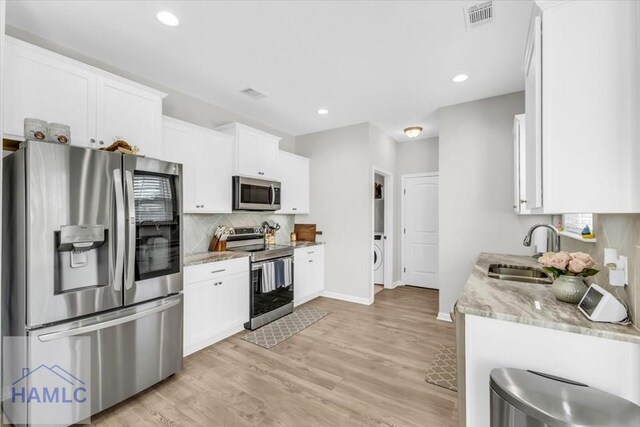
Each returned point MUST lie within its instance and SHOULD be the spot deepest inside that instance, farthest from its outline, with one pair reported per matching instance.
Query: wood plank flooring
(359, 366)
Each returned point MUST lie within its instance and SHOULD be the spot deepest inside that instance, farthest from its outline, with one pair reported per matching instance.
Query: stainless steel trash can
(522, 398)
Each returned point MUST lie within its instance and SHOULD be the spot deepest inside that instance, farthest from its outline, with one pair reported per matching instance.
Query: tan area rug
(279, 330)
(444, 370)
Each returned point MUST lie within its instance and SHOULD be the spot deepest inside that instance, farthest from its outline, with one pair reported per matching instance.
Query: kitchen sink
(519, 273)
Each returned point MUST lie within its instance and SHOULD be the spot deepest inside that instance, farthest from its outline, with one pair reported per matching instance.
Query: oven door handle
(258, 265)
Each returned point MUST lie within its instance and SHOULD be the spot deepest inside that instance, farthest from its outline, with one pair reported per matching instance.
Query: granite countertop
(301, 244)
(207, 257)
(516, 302)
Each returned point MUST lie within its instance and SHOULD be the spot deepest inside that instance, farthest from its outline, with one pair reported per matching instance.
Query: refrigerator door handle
(131, 221)
(109, 323)
(119, 198)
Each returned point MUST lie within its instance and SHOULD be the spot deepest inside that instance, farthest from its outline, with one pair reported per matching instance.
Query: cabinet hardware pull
(523, 201)
(312, 252)
(294, 209)
(101, 142)
(218, 271)
(93, 141)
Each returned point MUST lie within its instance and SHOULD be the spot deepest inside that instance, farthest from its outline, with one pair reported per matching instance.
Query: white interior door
(420, 238)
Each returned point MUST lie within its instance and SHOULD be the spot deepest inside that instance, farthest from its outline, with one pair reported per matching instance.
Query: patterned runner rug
(444, 371)
(279, 330)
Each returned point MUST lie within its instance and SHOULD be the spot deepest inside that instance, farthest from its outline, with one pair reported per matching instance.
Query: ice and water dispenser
(81, 257)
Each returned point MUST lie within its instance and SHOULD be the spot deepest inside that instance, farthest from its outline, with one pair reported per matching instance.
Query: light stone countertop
(515, 302)
(207, 257)
(301, 244)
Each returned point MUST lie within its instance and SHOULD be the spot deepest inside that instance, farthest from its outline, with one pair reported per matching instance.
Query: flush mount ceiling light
(168, 18)
(413, 131)
(323, 111)
(459, 78)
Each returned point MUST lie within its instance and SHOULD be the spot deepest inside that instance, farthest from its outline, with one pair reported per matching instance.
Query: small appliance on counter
(599, 305)
(272, 280)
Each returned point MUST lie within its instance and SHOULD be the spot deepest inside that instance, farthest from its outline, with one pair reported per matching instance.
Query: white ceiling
(389, 63)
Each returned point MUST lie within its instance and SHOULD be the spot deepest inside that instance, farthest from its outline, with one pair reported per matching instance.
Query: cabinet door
(248, 143)
(198, 315)
(316, 274)
(232, 302)
(46, 86)
(533, 118)
(301, 283)
(213, 170)
(519, 165)
(131, 113)
(268, 157)
(180, 148)
(294, 177)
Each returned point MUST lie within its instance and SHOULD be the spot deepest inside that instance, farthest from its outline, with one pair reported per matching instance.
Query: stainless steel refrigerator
(92, 246)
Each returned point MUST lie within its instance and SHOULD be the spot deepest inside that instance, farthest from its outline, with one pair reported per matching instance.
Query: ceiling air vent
(478, 14)
(252, 93)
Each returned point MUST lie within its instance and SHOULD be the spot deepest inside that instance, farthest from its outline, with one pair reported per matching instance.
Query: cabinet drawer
(215, 270)
(308, 252)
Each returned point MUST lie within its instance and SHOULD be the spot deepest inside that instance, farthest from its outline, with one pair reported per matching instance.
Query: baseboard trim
(306, 299)
(348, 298)
(396, 284)
(445, 317)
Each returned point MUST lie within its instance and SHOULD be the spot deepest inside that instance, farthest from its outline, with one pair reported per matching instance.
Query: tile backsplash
(199, 229)
(622, 232)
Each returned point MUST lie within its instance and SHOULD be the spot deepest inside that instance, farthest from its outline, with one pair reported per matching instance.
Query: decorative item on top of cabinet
(255, 153)
(97, 105)
(294, 180)
(206, 156)
(571, 128)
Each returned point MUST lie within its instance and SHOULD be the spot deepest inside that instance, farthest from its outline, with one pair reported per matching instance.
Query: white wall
(341, 190)
(415, 156)
(176, 104)
(476, 170)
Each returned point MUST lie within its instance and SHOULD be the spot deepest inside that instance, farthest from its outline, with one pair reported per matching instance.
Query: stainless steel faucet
(555, 242)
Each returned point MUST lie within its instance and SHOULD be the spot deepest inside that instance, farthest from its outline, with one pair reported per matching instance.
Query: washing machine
(378, 258)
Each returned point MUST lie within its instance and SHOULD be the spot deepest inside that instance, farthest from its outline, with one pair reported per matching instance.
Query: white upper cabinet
(125, 111)
(206, 157)
(519, 165)
(97, 105)
(255, 152)
(585, 88)
(294, 178)
(42, 85)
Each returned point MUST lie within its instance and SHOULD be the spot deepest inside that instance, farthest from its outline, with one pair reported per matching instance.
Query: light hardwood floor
(359, 366)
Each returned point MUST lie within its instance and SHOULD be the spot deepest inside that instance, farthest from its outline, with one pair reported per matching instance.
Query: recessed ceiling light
(459, 78)
(413, 131)
(323, 111)
(168, 18)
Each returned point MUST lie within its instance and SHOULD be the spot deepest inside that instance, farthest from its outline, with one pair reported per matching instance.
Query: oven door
(153, 258)
(271, 285)
(251, 194)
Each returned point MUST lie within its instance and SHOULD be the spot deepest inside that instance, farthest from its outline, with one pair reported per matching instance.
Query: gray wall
(176, 104)
(476, 180)
(341, 201)
(415, 156)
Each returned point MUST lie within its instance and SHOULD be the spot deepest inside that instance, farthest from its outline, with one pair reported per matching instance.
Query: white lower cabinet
(308, 273)
(610, 365)
(216, 302)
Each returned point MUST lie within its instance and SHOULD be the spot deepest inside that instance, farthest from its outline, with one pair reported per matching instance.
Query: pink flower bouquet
(568, 264)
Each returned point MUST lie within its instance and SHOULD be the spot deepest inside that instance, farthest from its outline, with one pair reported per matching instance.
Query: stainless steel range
(271, 275)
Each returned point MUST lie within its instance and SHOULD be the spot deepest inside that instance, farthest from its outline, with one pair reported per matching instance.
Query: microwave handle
(273, 195)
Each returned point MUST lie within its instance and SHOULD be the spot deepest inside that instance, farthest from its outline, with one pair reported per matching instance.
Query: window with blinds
(575, 223)
(154, 198)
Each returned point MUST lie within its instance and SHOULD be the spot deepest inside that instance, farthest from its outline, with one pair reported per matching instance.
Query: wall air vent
(478, 14)
(252, 93)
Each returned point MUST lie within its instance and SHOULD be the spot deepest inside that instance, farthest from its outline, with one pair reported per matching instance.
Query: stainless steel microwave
(250, 194)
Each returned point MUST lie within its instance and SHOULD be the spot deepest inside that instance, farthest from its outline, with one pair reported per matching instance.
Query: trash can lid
(560, 402)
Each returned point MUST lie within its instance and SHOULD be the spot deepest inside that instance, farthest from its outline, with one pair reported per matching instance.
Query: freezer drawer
(131, 349)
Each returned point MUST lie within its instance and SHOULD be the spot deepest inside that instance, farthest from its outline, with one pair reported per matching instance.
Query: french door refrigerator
(92, 247)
